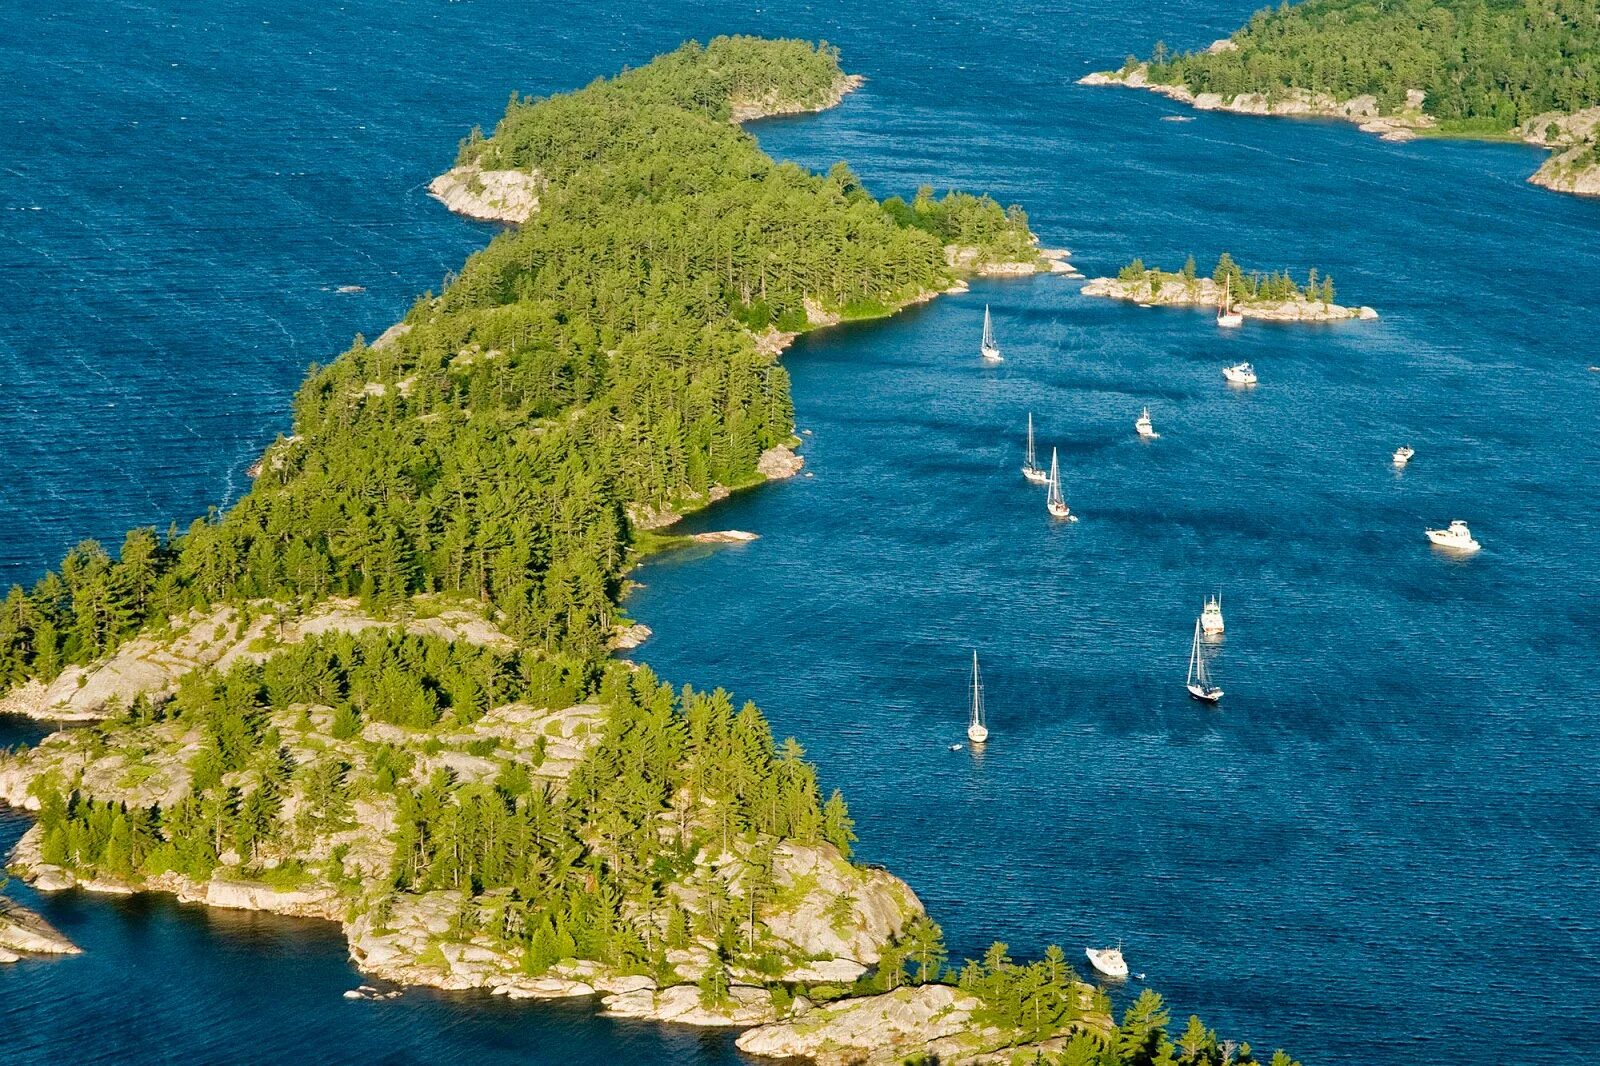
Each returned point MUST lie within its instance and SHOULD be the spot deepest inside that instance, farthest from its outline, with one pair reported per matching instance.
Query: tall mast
(988, 330)
(1194, 657)
(1031, 461)
(977, 692)
(1055, 479)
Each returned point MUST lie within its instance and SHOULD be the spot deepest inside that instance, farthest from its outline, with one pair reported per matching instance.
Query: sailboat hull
(1035, 476)
(977, 734)
(1205, 695)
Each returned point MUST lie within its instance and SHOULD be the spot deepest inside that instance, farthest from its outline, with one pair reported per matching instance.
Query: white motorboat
(977, 730)
(1211, 617)
(988, 348)
(1456, 537)
(1199, 684)
(1030, 463)
(1227, 317)
(1054, 502)
(1403, 454)
(1240, 374)
(1144, 427)
(1108, 961)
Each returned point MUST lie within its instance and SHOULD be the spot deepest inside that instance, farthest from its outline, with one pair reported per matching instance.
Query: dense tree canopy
(603, 355)
(1485, 65)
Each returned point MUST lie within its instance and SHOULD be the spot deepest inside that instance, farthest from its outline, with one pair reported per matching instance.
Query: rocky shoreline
(1575, 137)
(24, 933)
(1203, 292)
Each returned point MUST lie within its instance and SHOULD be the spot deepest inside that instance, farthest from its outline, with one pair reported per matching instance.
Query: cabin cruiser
(1144, 427)
(1403, 454)
(1240, 374)
(1108, 961)
(1211, 617)
(1456, 537)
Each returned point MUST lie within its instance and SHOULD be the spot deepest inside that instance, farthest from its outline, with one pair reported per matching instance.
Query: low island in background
(1274, 296)
(1407, 68)
(378, 689)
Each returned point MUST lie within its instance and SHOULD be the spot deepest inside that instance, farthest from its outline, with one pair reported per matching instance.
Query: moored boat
(1227, 317)
(1030, 462)
(1199, 684)
(1211, 616)
(1054, 502)
(977, 729)
(1456, 537)
(1240, 374)
(1108, 961)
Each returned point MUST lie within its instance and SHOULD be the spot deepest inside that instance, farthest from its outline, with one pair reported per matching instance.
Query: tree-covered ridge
(598, 357)
(1485, 65)
(1277, 285)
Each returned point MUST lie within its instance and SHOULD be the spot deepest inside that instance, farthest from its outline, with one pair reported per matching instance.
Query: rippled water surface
(1355, 856)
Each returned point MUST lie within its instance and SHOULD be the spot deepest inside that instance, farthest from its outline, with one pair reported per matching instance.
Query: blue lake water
(1383, 847)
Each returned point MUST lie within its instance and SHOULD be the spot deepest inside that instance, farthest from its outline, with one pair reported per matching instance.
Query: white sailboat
(1211, 616)
(1199, 684)
(977, 731)
(989, 349)
(1054, 502)
(1144, 427)
(1227, 317)
(1030, 462)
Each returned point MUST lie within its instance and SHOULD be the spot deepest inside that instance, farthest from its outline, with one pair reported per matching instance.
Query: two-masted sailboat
(977, 731)
(1054, 502)
(1030, 462)
(1200, 685)
(989, 349)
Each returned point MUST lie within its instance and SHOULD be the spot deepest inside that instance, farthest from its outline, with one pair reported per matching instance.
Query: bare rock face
(683, 1004)
(489, 195)
(875, 1029)
(808, 913)
(23, 932)
(779, 462)
(312, 902)
(748, 110)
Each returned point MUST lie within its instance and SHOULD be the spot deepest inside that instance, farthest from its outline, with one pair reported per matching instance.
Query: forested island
(378, 689)
(1403, 68)
(1273, 296)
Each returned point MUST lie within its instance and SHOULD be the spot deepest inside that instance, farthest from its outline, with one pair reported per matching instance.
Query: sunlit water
(1382, 847)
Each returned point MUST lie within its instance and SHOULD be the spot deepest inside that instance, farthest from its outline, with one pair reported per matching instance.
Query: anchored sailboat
(989, 350)
(1030, 463)
(1199, 684)
(1227, 317)
(977, 732)
(1054, 502)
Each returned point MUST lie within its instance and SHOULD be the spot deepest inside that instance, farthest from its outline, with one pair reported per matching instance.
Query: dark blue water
(1357, 856)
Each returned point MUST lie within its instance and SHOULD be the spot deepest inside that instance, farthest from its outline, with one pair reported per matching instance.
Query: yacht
(977, 731)
(1199, 684)
(1240, 374)
(989, 349)
(1227, 317)
(1030, 463)
(1457, 537)
(1108, 961)
(1054, 502)
(1211, 617)
(1403, 454)
(1144, 427)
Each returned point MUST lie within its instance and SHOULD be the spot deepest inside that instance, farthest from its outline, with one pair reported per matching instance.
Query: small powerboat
(1456, 537)
(1240, 374)
(1108, 961)
(1403, 454)
(1144, 427)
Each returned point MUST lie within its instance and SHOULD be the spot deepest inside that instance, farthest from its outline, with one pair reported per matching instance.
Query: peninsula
(1273, 297)
(377, 690)
(1407, 68)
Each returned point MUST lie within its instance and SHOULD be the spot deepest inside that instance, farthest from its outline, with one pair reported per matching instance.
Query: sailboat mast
(1055, 478)
(1194, 656)
(977, 692)
(1030, 441)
